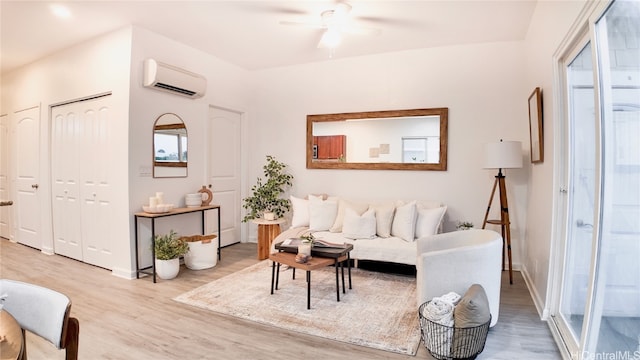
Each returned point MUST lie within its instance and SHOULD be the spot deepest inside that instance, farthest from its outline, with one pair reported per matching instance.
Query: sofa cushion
(359, 208)
(384, 218)
(429, 220)
(322, 213)
(300, 208)
(359, 226)
(404, 221)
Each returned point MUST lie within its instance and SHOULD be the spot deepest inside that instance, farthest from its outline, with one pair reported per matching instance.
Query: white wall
(227, 87)
(482, 85)
(97, 66)
(550, 23)
(114, 63)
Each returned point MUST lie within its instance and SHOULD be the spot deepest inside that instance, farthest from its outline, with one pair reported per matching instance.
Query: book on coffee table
(294, 242)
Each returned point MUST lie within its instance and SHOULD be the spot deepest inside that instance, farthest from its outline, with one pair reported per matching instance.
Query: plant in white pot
(168, 249)
(266, 196)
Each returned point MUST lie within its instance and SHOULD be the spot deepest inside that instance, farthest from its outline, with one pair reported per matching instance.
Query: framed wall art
(536, 135)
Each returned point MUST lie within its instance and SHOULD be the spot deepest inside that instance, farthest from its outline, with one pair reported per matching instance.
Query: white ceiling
(249, 33)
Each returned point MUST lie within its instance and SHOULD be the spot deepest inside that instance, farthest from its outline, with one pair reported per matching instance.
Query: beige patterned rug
(379, 312)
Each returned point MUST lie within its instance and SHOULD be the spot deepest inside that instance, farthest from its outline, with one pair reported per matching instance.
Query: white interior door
(27, 163)
(224, 172)
(80, 151)
(5, 195)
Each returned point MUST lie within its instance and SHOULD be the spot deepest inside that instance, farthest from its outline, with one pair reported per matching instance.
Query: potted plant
(464, 225)
(267, 194)
(168, 249)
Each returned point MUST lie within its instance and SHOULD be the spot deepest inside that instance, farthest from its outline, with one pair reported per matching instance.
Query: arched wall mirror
(169, 147)
(379, 140)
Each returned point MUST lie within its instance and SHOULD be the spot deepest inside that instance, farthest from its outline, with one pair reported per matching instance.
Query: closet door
(65, 183)
(82, 195)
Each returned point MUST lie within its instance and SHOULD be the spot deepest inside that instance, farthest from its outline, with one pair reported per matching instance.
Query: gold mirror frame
(441, 165)
(170, 124)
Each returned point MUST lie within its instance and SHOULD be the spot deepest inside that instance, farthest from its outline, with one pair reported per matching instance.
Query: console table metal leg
(153, 248)
(219, 234)
(136, 237)
(344, 290)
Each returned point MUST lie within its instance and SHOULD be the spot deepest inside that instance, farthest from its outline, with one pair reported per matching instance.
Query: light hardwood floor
(136, 319)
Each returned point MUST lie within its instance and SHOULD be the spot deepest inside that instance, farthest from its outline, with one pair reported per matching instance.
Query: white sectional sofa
(379, 230)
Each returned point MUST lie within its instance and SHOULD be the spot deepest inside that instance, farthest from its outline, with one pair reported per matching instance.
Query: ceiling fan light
(331, 39)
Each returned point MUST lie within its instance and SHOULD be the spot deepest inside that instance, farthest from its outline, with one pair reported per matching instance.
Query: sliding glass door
(598, 307)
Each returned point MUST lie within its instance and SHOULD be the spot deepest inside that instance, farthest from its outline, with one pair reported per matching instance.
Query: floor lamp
(502, 155)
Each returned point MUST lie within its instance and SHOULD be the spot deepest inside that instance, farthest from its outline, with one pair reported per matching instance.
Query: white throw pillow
(404, 222)
(384, 219)
(359, 208)
(429, 220)
(322, 213)
(300, 209)
(359, 226)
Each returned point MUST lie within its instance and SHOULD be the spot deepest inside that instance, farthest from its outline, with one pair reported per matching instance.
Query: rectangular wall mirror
(379, 140)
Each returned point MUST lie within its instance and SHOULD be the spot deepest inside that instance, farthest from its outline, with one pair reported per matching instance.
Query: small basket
(449, 343)
(204, 238)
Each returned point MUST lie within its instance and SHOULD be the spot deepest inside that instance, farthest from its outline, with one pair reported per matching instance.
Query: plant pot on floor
(203, 252)
(167, 269)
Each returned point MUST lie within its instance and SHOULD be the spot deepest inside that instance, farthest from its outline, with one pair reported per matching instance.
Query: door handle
(35, 186)
(6, 203)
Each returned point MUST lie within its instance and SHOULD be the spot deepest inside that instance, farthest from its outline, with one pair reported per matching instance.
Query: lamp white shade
(503, 155)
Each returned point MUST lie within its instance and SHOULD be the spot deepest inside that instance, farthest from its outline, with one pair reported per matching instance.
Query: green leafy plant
(464, 225)
(267, 194)
(169, 246)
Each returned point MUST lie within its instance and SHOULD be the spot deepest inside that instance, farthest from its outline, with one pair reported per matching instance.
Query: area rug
(379, 312)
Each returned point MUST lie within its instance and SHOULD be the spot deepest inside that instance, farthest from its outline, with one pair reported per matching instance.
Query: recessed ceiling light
(60, 11)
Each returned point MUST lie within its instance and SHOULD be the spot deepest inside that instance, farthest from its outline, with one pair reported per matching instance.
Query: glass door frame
(582, 33)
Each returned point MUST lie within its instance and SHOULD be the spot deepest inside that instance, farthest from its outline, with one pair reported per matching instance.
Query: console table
(173, 212)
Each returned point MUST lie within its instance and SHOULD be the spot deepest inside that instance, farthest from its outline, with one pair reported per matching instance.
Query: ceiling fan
(335, 23)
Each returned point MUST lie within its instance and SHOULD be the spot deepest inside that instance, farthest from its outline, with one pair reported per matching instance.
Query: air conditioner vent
(176, 89)
(172, 79)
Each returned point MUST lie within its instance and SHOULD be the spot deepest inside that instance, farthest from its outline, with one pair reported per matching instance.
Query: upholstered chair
(44, 312)
(456, 260)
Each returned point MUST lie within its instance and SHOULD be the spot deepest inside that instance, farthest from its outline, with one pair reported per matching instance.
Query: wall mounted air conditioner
(165, 77)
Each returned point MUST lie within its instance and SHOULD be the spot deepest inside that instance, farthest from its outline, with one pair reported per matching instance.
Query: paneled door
(27, 202)
(224, 172)
(5, 221)
(81, 185)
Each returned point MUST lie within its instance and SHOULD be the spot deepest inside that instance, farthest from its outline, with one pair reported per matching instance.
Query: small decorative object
(208, 195)
(193, 200)
(267, 196)
(464, 225)
(302, 258)
(168, 249)
(536, 135)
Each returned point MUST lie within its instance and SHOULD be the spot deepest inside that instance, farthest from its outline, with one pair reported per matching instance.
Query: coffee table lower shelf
(314, 263)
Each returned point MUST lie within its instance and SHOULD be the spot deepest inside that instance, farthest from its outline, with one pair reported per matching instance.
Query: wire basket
(449, 343)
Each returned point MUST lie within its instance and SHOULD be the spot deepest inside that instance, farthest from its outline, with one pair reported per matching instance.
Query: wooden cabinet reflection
(332, 147)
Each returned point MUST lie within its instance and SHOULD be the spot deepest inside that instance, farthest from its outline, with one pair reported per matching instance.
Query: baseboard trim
(535, 296)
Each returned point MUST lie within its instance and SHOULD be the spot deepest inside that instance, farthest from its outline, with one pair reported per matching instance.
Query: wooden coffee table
(320, 258)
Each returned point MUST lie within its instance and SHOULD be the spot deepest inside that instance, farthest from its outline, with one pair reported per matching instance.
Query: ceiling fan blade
(303, 24)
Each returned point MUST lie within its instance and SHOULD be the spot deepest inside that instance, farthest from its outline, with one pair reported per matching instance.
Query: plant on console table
(267, 195)
(168, 249)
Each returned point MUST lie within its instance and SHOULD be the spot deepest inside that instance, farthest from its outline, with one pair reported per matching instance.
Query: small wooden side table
(267, 231)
